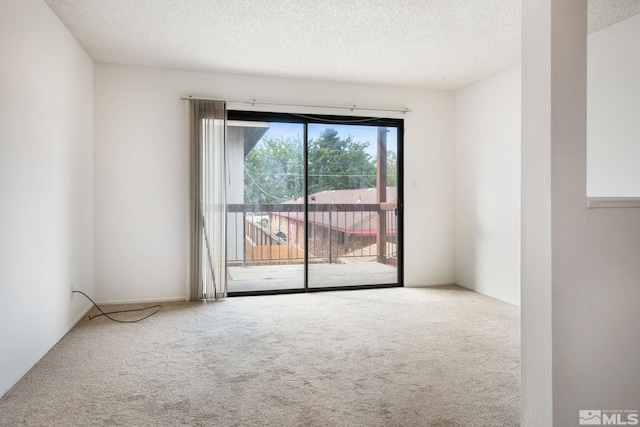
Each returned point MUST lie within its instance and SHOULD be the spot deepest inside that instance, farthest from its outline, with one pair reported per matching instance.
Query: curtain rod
(254, 102)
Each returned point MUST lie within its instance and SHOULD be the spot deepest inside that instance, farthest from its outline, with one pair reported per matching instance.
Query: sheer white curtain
(208, 231)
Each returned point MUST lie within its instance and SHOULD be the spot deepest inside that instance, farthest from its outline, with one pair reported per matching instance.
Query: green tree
(274, 167)
(274, 171)
(336, 163)
(392, 169)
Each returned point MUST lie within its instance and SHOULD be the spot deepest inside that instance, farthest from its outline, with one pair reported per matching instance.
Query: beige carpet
(439, 356)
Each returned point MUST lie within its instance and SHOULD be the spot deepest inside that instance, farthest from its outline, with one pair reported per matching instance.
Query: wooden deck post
(381, 195)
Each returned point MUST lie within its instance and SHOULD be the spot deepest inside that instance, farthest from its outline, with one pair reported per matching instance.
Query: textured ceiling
(443, 44)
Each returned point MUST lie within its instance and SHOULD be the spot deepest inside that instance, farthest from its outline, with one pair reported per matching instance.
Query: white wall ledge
(613, 202)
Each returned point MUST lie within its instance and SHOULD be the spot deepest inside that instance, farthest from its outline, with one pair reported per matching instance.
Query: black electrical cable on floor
(102, 313)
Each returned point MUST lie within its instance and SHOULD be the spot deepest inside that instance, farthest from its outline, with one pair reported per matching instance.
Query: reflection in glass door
(311, 203)
(352, 193)
(265, 188)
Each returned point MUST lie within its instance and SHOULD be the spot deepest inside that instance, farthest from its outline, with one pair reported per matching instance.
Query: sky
(359, 133)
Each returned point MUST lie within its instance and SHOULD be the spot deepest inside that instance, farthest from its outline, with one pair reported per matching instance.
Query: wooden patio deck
(277, 277)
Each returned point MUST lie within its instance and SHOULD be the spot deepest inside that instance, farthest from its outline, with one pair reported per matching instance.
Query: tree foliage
(392, 169)
(273, 171)
(336, 163)
(274, 167)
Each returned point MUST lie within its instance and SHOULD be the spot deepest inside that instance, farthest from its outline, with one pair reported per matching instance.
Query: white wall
(580, 270)
(487, 207)
(488, 156)
(613, 108)
(46, 184)
(141, 172)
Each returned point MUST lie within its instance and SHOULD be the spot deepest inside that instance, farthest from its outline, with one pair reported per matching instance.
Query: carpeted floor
(439, 356)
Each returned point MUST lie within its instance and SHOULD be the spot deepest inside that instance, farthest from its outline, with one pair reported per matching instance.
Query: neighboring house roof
(253, 132)
(355, 195)
(345, 210)
(252, 136)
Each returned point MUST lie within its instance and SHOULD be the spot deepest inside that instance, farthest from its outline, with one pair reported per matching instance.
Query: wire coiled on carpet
(102, 313)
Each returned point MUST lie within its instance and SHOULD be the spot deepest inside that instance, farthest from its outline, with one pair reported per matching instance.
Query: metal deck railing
(259, 234)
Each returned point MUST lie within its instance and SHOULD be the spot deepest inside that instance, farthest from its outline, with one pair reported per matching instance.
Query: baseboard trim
(482, 292)
(613, 202)
(13, 381)
(431, 285)
(142, 301)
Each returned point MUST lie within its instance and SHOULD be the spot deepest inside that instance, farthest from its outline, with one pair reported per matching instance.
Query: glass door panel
(265, 206)
(352, 195)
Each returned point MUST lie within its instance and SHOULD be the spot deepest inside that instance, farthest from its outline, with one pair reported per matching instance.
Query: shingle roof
(344, 210)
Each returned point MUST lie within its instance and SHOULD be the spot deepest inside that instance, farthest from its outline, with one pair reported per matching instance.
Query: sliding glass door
(352, 215)
(265, 188)
(312, 203)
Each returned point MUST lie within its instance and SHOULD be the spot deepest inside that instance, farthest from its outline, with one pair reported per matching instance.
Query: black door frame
(306, 119)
